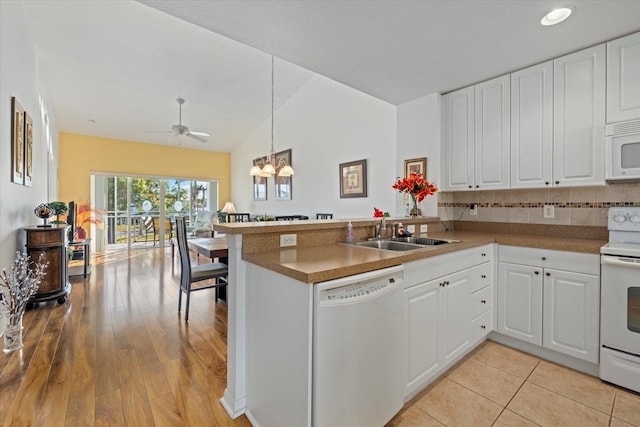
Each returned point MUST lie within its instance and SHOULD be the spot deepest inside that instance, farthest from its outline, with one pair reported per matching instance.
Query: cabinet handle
(544, 258)
(477, 186)
(484, 301)
(546, 183)
(483, 327)
(536, 272)
(483, 254)
(484, 276)
(557, 182)
(547, 274)
(446, 283)
(442, 284)
(470, 186)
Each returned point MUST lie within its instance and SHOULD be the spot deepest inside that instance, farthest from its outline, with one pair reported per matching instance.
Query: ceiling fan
(181, 129)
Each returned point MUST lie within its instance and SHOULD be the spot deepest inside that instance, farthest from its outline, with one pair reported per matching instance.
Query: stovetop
(624, 232)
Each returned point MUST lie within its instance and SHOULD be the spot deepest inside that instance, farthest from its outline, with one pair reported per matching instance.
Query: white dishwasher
(357, 349)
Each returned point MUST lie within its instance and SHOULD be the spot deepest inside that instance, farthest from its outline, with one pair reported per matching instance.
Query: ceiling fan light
(255, 171)
(286, 171)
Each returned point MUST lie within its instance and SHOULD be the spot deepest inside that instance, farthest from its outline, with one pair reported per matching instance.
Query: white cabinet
(579, 118)
(623, 79)
(446, 297)
(459, 139)
(550, 299)
(520, 302)
(476, 136)
(532, 126)
(571, 313)
(492, 134)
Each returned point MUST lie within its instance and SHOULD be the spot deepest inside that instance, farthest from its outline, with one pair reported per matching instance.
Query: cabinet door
(492, 134)
(458, 140)
(571, 313)
(532, 126)
(623, 83)
(520, 302)
(455, 306)
(579, 118)
(421, 334)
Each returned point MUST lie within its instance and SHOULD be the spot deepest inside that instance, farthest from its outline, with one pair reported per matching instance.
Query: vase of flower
(13, 334)
(17, 285)
(417, 188)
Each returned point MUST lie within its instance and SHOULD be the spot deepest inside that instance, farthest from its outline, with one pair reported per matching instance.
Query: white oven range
(620, 300)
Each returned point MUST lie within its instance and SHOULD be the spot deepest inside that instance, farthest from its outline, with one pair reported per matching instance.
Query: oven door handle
(620, 262)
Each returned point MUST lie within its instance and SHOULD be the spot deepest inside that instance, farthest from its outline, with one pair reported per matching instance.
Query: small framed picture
(353, 179)
(283, 184)
(415, 166)
(17, 142)
(28, 149)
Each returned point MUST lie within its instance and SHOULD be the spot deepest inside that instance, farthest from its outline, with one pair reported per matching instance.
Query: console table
(51, 243)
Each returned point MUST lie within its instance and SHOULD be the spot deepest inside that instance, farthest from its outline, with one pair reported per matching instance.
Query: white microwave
(623, 151)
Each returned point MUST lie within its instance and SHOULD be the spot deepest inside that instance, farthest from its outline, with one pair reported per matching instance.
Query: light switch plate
(548, 211)
(288, 240)
(424, 228)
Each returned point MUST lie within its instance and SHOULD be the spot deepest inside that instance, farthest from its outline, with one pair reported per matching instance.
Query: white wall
(20, 77)
(325, 123)
(419, 136)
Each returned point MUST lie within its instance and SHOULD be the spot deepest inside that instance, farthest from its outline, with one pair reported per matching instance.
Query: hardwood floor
(117, 353)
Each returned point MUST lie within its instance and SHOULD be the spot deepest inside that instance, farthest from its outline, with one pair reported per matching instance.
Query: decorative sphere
(43, 211)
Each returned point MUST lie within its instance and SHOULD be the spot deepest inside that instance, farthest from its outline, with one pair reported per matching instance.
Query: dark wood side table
(51, 243)
(84, 252)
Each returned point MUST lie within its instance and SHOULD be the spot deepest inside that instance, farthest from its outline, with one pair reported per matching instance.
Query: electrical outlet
(288, 240)
(548, 211)
(411, 228)
(473, 209)
(424, 228)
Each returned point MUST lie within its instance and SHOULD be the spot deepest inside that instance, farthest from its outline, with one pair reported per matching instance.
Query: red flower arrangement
(417, 187)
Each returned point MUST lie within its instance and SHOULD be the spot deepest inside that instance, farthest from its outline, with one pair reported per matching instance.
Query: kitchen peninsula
(255, 257)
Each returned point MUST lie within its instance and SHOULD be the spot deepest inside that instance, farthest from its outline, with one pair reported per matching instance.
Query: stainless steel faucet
(380, 227)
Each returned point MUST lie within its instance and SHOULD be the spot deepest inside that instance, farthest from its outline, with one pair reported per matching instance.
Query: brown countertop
(314, 264)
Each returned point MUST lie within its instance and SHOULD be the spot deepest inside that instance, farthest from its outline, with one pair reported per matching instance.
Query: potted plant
(59, 208)
(87, 214)
(17, 285)
(417, 187)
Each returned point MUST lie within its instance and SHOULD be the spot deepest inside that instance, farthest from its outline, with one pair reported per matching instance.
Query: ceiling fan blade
(159, 131)
(200, 136)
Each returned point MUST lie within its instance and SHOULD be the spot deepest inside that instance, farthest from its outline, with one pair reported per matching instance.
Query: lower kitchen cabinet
(442, 313)
(550, 299)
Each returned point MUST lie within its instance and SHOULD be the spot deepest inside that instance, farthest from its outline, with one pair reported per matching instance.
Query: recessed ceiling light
(556, 16)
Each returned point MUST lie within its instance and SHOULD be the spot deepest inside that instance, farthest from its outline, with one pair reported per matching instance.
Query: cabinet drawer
(481, 326)
(547, 258)
(481, 301)
(482, 276)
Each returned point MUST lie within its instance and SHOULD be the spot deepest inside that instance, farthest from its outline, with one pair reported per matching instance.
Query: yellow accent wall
(82, 155)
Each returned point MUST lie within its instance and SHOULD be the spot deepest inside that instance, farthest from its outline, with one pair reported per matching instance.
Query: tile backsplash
(572, 206)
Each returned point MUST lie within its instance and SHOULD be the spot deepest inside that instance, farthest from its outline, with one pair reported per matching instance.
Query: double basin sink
(405, 243)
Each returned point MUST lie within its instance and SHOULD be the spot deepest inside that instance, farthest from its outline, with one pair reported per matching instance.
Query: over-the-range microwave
(623, 151)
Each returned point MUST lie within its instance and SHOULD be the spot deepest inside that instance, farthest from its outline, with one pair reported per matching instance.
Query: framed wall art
(415, 166)
(17, 142)
(28, 149)
(353, 179)
(259, 182)
(284, 184)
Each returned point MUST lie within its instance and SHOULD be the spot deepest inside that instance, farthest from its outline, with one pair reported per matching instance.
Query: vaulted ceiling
(115, 68)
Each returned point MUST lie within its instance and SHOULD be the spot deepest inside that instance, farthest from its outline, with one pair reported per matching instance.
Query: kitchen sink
(390, 245)
(405, 243)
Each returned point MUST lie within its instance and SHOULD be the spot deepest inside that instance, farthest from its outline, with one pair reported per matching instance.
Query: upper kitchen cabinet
(579, 118)
(532, 126)
(623, 79)
(459, 139)
(492, 136)
(476, 136)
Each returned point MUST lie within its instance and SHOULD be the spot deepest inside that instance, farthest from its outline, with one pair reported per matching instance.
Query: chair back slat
(183, 250)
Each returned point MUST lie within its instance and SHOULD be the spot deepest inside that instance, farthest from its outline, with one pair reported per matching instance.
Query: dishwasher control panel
(360, 290)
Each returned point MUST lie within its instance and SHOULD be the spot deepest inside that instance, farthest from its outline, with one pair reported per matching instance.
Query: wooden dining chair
(215, 271)
(324, 216)
(238, 217)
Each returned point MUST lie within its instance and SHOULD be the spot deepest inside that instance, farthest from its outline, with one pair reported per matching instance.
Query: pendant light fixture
(269, 168)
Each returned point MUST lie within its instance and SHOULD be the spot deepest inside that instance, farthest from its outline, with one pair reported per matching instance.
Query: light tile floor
(499, 386)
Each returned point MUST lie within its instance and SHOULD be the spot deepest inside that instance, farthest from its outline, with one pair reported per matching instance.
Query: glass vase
(415, 211)
(13, 334)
